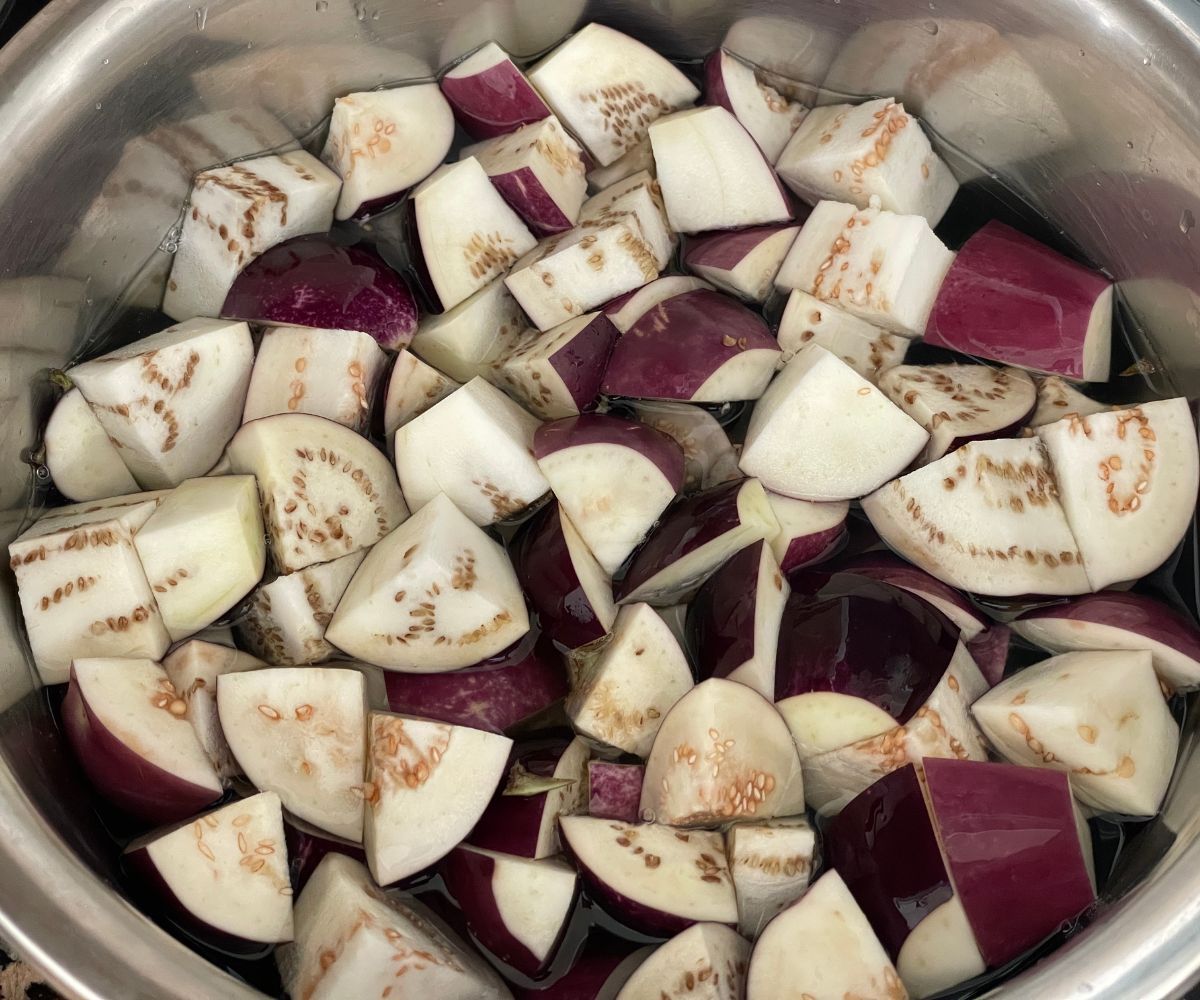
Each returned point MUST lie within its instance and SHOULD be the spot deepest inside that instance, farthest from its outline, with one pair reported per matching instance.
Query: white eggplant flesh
(382, 142)
(82, 589)
(614, 479)
(557, 373)
(1099, 716)
(823, 432)
(879, 266)
(712, 173)
(353, 940)
(463, 342)
(475, 446)
(413, 387)
(942, 727)
(638, 157)
(1057, 399)
(769, 116)
(171, 401)
(237, 212)
(329, 373)
(986, 519)
(638, 195)
(427, 785)
(1127, 481)
(705, 962)
(743, 263)
(194, 668)
(771, 864)
(203, 550)
(300, 732)
(840, 957)
(83, 462)
(239, 847)
(286, 622)
(626, 310)
(577, 271)
(722, 753)
(126, 723)
(652, 876)
(854, 152)
(624, 684)
(539, 171)
(959, 403)
(869, 350)
(628, 85)
(326, 492)
(465, 232)
(436, 594)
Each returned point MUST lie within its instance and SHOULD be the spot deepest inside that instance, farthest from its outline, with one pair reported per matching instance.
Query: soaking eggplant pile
(620, 571)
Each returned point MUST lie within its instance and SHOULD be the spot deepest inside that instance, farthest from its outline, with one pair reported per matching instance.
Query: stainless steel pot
(1088, 108)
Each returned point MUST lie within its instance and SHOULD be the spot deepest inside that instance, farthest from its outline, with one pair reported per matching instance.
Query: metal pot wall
(1088, 109)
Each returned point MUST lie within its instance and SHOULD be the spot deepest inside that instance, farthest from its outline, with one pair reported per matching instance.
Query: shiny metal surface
(1087, 108)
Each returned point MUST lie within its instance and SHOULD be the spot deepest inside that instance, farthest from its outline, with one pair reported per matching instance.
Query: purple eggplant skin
(601, 428)
(493, 102)
(687, 524)
(989, 650)
(581, 362)
(592, 968)
(727, 248)
(720, 620)
(888, 568)
(1130, 612)
(511, 823)
(307, 847)
(144, 874)
(808, 550)
(1010, 298)
(885, 848)
(1011, 845)
(547, 575)
(851, 635)
(714, 83)
(468, 877)
(614, 790)
(495, 694)
(672, 350)
(526, 196)
(316, 281)
(126, 779)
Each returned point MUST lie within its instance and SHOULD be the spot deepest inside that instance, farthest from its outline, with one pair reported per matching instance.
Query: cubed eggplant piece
(986, 519)
(171, 401)
(654, 878)
(1098, 716)
(868, 349)
(742, 262)
(769, 116)
(722, 753)
(475, 447)
(879, 266)
(127, 725)
(1009, 298)
(326, 492)
(855, 152)
(1127, 482)
(823, 432)
(558, 373)
(435, 594)
(628, 85)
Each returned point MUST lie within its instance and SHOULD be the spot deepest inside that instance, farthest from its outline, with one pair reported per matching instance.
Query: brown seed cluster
(789, 866)
(166, 698)
(80, 583)
(488, 254)
(170, 581)
(120, 623)
(349, 147)
(398, 761)
(626, 111)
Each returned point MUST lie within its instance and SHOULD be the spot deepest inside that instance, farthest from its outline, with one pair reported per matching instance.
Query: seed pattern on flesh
(401, 761)
(257, 856)
(1125, 486)
(489, 254)
(626, 111)
(362, 141)
(1126, 768)
(722, 789)
(601, 708)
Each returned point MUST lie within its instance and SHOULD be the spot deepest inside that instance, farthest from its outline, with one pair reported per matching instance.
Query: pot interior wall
(1085, 110)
